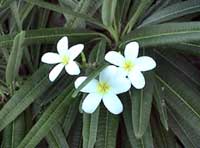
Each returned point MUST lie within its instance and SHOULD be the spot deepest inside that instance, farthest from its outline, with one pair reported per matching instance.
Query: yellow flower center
(103, 87)
(65, 60)
(128, 65)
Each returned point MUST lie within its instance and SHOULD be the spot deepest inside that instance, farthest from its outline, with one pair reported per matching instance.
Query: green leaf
(160, 104)
(70, 117)
(56, 138)
(31, 90)
(121, 10)
(64, 10)
(107, 130)
(146, 141)
(141, 101)
(173, 11)
(15, 58)
(50, 35)
(90, 125)
(108, 12)
(98, 52)
(181, 64)
(75, 135)
(140, 10)
(49, 118)
(14, 133)
(54, 90)
(25, 11)
(5, 3)
(161, 137)
(168, 33)
(186, 48)
(187, 135)
(15, 12)
(181, 94)
(88, 7)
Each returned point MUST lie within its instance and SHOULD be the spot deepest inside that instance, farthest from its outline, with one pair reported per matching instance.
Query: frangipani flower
(64, 58)
(110, 83)
(131, 65)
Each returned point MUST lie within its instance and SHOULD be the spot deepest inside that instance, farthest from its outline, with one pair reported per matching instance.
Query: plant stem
(139, 11)
(114, 34)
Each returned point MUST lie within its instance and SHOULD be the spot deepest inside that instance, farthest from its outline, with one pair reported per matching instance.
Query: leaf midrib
(106, 130)
(162, 109)
(21, 101)
(52, 35)
(141, 109)
(182, 129)
(13, 134)
(176, 66)
(162, 34)
(164, 16)
(179, 96)
(27, 142)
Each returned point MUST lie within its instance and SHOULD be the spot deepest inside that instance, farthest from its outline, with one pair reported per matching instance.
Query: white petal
(75, 50)
(72, 68)
(89, 88)
(112, 103)
(51, 58)
(119, 84)
(55, 72)
(145, 63)
(114, 58)
(91, 102)
(108, 73)
(137, 79)
(62, 45)
(131, 50)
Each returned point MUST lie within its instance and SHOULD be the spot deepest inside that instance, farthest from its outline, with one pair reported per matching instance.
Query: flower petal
(55, 72)
(108, 73)
(91, 102)
(75, 50)
(119, 85)
(114, 58)
(131, 50)
(51, 58)
(145, 63)
(89, 88)
(72, 68)
(137, 79)
(62, 45)
(113, 103)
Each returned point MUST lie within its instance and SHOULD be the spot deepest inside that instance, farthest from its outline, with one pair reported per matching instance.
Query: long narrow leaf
(31, 90)
(108, 12)
(161, 105)
(144, 142)
(56, 137)
(188, 136)
(49, 35)
(49, 118)
(173, 11)
(141, 106)
(15, 58)
(168, 33)
(107, 130)
(185, 103)
(90, 125)
(62, 10)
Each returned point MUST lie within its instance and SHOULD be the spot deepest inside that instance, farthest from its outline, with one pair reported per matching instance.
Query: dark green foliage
(35, 112)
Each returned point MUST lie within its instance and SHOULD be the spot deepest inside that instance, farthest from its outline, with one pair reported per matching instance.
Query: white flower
(111, 82)
(64, 58)
(131, 65)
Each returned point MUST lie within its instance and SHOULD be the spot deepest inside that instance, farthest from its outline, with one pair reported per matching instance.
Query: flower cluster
(113, 80)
